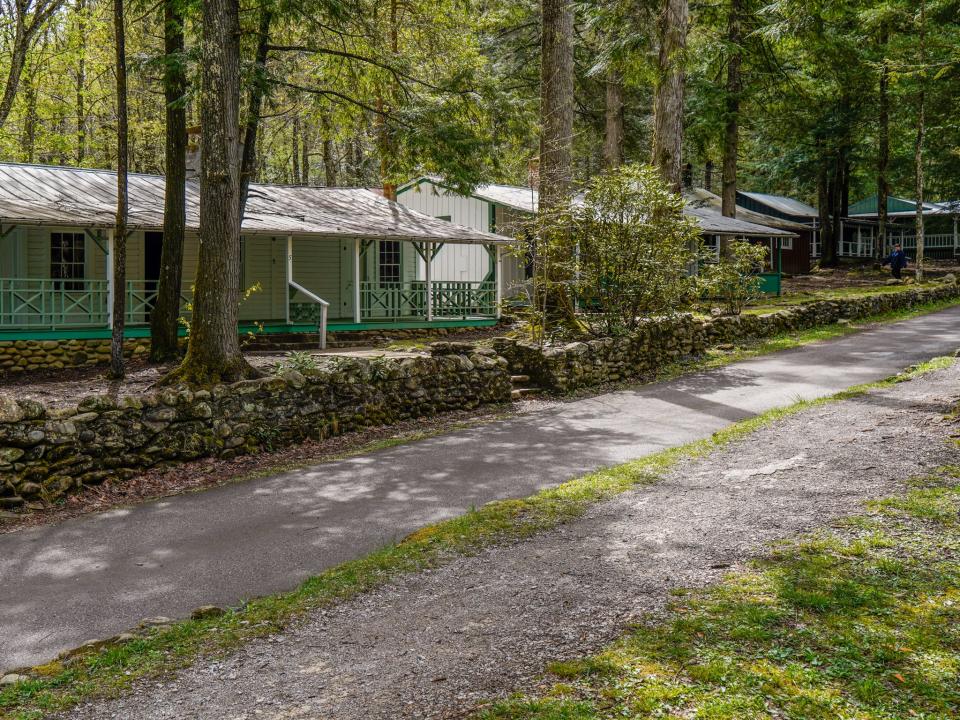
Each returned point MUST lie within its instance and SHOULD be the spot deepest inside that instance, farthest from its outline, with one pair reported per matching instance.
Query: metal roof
(50, 195)
(896, 207)
(525, 199)
(784, 204)
(706, 199)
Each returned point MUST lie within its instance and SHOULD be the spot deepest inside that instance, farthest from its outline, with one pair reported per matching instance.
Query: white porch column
(111, 285)
(956, 238)
(289, 275)
(356, 280)
(498, 278)
(428, 274)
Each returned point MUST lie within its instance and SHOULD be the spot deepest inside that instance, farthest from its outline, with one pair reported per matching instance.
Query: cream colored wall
(317, 267)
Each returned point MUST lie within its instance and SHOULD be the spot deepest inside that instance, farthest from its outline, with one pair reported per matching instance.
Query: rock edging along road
(99, 575)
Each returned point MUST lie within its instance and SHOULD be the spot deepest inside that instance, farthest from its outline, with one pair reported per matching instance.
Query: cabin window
(67, 261)
(786, 244)
(389, 261)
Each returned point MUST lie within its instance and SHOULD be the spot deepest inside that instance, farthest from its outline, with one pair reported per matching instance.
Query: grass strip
(859, 623)
(109, 670)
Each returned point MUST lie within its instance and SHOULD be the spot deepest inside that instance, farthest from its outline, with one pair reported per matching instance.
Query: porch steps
(521, 387)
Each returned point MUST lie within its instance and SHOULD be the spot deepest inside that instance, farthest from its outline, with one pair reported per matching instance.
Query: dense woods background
(368, 92)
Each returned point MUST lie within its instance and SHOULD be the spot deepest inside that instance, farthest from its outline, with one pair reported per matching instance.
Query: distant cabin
(500, 208)
(941, 238)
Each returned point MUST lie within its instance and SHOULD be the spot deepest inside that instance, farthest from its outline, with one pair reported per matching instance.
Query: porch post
(111, 285)
(956, 238)
(356, 280)
(428, 263)
(289, 274)
(498, 277)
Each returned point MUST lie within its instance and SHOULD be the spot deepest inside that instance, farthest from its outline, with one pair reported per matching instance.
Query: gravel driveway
(436, 644)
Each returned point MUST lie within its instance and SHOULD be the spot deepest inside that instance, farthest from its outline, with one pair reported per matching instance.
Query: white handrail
(324, 309)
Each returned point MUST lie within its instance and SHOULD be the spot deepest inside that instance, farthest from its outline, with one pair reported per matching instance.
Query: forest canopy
(361, 92)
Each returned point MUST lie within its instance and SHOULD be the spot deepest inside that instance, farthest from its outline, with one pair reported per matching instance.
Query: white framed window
(68, 260)
(786, 244)
(388, 256)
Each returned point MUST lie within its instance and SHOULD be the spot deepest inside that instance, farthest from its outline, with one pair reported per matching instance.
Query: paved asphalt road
(95, 576)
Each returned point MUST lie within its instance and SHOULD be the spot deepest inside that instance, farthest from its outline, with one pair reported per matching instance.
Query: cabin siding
(317, 267)
(453, 262)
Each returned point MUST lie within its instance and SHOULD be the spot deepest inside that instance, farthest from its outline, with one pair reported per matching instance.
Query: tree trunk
(18, 58)
(81, 82)
(305, 159)
(295, 149)
(883, 155)
(556, 164)
(165, 316)
(329, 162)
(613, 132)
(731, 130)
(825, 203)
(556, 106)
(213, 355)
(258, 90)
(667, 151)
(119, 258)
(28, 137)
(921, 131)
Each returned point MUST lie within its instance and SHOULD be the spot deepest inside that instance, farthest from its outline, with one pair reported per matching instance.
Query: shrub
(635, 249)
(734, 278)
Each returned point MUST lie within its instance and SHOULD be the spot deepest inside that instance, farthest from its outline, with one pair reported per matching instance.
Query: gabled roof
(784, 204)
(50, 195)
(705, 198)
(869, 207)
(712, 222)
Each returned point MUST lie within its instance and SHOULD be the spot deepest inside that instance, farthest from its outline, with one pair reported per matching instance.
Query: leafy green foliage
(734, 277)
(635, 249)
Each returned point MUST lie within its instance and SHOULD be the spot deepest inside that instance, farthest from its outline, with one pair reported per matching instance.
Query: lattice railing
(57, 304)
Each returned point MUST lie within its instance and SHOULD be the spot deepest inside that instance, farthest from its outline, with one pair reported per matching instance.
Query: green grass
(861, 624)
(109, 671)
(788, 299)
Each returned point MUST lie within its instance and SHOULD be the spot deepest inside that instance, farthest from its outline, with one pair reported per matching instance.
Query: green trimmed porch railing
(42, 304)
(450, 300)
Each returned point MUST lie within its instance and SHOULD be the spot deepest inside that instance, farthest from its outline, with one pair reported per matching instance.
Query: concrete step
(519, 379)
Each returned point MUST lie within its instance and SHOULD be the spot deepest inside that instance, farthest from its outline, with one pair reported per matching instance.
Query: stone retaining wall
(661, 342)
(45, 453)
(18, 356)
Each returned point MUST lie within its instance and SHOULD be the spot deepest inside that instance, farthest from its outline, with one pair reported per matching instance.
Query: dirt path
(437, 643)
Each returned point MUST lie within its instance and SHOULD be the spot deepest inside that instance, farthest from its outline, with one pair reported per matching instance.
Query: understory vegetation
(862, 622)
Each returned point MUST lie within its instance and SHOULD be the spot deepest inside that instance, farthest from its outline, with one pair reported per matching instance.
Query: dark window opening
(67, 261)
(389, 261)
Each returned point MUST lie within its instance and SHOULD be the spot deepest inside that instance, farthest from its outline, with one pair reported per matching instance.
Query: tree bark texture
(81, 81)
(883, 151)
(731, 129)
(213, 354)
(613, 130)
(258, 90)
(556, 106)
(165, 316)
(921, 131)
(667, 151)
(119, 258)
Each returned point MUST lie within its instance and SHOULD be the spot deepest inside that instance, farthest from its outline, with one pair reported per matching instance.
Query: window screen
(389, 261)
(67, 262)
